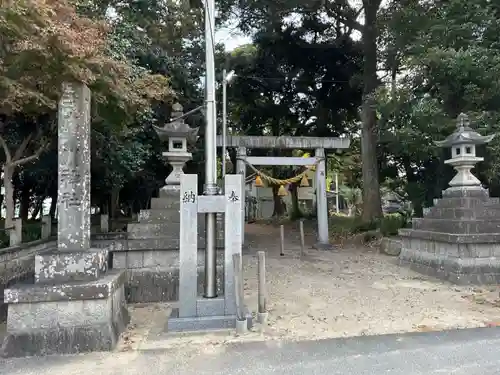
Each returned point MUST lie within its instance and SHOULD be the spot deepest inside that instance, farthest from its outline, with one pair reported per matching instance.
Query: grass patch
(32, 231)
(343, 226)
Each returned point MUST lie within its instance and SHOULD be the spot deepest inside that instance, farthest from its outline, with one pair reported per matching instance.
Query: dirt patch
(357, 292)
(351, 291)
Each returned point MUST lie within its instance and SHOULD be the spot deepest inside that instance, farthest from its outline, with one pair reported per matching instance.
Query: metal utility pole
(210, 153)
(226, 78)
(224, 122)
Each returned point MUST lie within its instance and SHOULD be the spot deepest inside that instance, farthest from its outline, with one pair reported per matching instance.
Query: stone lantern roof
(464, 134)
(177, 128)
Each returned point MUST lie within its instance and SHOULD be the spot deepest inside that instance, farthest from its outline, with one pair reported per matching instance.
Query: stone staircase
(458, 240)
(151, 256)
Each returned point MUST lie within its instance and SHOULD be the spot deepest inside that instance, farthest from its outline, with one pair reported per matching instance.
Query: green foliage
(442, 58)
(301, 75)
(391, 223)
(284, 61)
(349, 225)
(32, 231)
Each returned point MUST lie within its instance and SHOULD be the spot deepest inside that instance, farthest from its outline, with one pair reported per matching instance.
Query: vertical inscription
(233, 197)
(188, 252)
(233, 236)
(74, 168)
(188, 197)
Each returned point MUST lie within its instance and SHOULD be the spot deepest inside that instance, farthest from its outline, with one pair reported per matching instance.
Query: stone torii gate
(242, 143)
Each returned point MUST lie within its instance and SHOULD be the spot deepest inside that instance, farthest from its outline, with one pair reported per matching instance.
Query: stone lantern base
(458, 240)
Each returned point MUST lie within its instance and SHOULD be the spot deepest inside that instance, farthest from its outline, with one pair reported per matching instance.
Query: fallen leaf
(424, 328)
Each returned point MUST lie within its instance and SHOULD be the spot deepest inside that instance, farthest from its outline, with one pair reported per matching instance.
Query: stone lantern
(179, 135)
(458, 239)
(463, 144)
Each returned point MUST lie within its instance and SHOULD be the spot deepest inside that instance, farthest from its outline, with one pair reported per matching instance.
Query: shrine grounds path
(326, 310)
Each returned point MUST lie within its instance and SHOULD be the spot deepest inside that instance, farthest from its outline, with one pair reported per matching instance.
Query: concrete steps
(470, 226)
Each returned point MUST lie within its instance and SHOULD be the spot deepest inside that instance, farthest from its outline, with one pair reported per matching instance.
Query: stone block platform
(75, 305)
(208, 317)
(68, 318)
(458, 240)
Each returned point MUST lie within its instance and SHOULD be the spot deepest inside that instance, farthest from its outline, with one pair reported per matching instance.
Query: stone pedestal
(57, 317)
(458, 240)
(75, 305)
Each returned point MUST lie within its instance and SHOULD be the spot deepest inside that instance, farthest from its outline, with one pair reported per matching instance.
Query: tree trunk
(114, 203)
(8, 172)
(372, 205)
(279, 209)
(53, 205)
(24, 203)
(295, 214)
(37, 208)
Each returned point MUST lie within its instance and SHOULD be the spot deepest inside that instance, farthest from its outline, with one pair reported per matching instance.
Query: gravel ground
(351, 291)
(355, 291)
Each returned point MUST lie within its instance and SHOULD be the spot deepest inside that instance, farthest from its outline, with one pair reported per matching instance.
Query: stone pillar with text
(76, 304)
(193, 311)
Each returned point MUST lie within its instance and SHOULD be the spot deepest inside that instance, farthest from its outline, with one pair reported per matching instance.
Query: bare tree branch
(35, 156)
(8, 156)
(22, 147)
(336, 10)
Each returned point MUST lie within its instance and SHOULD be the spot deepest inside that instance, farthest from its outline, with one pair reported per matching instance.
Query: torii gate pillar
(321, 201)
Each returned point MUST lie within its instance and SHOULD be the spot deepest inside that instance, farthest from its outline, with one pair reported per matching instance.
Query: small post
(16, 232)
(282, 232)
(337, 208)
(46, 227)
(262, 292)
(104, 223)
(302, 239)
(241, 322)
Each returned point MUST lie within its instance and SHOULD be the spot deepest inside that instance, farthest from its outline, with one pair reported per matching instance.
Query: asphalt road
(470, 352)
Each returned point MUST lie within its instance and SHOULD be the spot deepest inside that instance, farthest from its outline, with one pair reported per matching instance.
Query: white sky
(231, 37)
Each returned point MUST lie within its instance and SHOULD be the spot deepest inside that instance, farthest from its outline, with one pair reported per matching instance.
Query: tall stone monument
(76, 304)
(459, 239)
